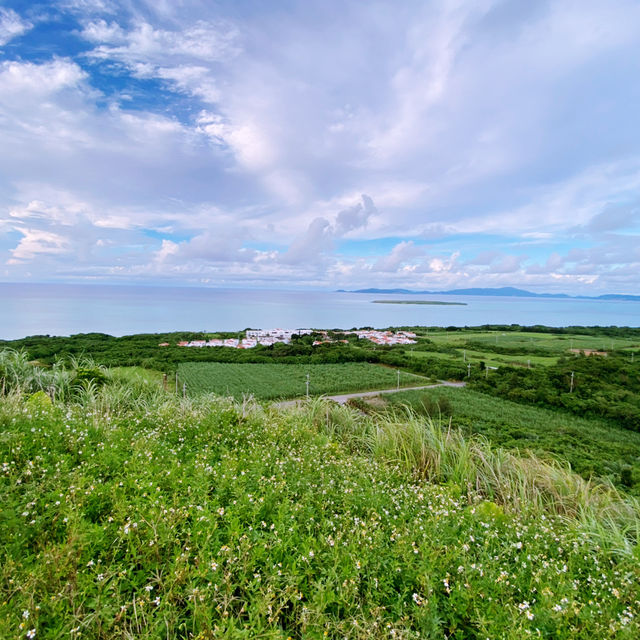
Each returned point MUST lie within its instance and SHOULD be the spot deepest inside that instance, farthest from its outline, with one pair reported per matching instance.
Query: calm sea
(29, 309)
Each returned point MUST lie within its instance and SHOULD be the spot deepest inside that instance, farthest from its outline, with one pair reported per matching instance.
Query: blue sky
(322, 144)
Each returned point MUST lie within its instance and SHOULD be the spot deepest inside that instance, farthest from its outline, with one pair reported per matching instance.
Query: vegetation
(600, 386)
(151, 516)
(270, 381)
(593, 447)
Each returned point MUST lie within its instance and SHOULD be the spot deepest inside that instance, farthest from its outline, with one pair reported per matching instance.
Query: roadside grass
(592, 447)
(272, 381)
(205, 518)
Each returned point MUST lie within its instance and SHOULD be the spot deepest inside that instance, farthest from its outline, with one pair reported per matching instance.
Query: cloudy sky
(322, 143)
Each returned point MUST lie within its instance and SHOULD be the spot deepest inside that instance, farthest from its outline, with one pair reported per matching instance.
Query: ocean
(65, 309)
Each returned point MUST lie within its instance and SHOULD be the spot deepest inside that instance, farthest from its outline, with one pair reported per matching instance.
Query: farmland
(271, 381)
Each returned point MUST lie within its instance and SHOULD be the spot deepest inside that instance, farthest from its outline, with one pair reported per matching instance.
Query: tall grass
(115, 394)
(19, 375)
(437, 453)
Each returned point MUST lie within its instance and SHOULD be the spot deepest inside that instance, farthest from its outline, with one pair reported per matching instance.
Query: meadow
(271, 381)
(129, 512)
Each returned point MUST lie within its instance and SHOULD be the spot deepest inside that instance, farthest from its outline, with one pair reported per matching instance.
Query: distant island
(501, 291)
(429, 302)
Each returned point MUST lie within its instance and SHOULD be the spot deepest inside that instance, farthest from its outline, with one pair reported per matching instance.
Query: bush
(84, 376)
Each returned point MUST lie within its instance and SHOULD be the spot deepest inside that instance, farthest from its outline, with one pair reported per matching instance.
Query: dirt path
(343, 397)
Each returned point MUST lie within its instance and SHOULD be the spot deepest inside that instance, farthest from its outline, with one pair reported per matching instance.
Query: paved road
(342, 398)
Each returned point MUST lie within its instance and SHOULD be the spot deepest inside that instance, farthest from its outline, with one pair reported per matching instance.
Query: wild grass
(128, 512)
(439, 453)
(594, 448)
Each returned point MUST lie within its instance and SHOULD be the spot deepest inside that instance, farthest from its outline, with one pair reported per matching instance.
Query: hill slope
(127, 515)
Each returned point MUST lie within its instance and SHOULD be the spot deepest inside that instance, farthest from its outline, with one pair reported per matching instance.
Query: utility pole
(464, 356)
(184, 389)
(398, 385)
(469, 370)
(571, 385)
(176, 383)
(307, 385)
(528, 364)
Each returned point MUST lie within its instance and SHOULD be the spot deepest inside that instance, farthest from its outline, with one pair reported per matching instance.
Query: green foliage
(144, 350)
(39, 399)
(270, 381)
(85, 375)
(607, 387)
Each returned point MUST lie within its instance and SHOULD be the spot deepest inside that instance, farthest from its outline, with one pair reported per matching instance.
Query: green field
(271, 381)
(554, 344)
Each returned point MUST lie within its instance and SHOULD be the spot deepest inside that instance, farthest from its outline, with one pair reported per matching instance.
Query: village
(268, 337)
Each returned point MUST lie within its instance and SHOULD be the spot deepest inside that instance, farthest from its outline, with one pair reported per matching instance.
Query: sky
(322, 144)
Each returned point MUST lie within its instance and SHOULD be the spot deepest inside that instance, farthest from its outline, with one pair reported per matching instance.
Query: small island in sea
(432, 302)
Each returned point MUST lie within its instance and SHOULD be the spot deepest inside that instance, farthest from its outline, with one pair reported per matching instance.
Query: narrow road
(343, 397)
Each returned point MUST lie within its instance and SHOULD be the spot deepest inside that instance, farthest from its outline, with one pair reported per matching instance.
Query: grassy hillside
(141, 515)
(592, 446)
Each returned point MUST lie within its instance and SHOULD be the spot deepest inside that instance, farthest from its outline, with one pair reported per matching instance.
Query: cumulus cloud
(356, 216)
(319, 237)
(400, 254)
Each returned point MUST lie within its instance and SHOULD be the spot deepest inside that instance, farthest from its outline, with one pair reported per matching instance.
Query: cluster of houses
(254, 337)
(387, 337)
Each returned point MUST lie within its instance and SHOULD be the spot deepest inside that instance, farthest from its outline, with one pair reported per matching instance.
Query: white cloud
(614, 217)
(27, 80)
(218, 245)
(317, 239)
(35, 242)
(185, 58)
(402, 253)
(11, 25)
(149, 45)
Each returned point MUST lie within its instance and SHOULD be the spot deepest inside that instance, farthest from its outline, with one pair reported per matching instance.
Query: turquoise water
(29, 309)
